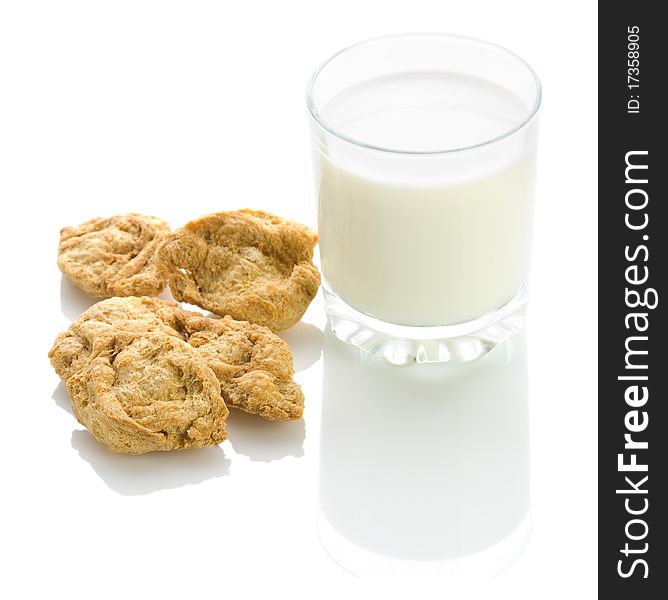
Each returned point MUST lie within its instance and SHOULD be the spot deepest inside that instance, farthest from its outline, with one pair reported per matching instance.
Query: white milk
(436, 251)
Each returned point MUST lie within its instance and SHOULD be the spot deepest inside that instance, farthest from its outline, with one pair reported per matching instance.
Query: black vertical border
(620, 132)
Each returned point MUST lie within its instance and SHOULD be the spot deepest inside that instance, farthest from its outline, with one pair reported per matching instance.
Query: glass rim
(531, 113)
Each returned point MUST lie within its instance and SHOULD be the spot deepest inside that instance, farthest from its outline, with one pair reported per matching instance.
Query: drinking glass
(424, 151)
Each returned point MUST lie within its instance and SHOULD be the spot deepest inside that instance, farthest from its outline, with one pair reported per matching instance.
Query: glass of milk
(424, 153)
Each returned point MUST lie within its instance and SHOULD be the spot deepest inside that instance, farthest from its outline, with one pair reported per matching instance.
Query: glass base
(402, 345)
(366, 563)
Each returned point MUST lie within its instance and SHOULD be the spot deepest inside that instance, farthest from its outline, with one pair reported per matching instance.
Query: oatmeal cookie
(147, 393)
(250, 265)
(91, 331)
(114, 256)
(253, 365)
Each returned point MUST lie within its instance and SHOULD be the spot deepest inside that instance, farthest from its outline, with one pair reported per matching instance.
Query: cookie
(91, 330)
(250, 265)
(253, 366)
(149, 393)
(114, 256)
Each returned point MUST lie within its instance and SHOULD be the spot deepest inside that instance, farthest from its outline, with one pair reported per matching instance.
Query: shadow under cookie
(73, 301)
(62, 398)
(305, 341)
(151, 472)
(262, 440)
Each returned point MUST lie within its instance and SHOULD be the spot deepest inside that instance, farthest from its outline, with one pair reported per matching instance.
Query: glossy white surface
(424, 469)
(183, 109)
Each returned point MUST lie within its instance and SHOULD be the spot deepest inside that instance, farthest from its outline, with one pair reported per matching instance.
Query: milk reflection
(424, 469)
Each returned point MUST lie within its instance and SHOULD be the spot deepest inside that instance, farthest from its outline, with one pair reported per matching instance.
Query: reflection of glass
(424, 469)
(424, 150)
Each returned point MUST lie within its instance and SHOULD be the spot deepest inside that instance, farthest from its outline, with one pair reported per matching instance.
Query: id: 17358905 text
(633, 69)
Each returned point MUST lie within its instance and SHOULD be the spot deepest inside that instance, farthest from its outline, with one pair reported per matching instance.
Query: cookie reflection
(151, 472)
(424, 469)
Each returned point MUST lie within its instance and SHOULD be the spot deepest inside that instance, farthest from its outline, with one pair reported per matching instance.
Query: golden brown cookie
(114, 256)
(148, 393)
(253, 365)
(248, 264)
(91, 330)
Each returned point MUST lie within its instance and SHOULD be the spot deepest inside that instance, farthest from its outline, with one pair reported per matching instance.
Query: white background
(184, 108)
